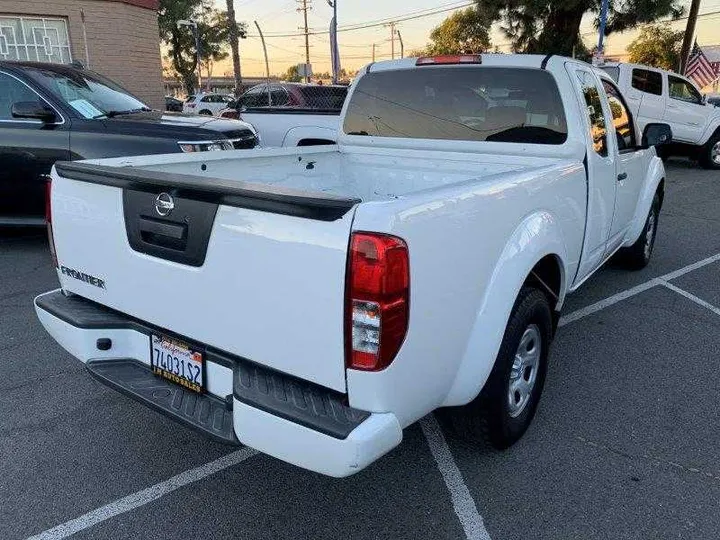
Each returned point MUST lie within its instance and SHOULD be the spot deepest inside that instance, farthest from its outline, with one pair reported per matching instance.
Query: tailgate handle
(160, 233)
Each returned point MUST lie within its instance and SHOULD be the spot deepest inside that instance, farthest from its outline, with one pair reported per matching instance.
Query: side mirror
(656, 135)
(34, 110)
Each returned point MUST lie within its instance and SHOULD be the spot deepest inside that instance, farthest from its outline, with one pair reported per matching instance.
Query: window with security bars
(36, 39)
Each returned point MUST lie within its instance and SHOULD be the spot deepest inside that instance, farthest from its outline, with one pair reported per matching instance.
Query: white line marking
(607, 302)
(692, 297)
(463, 503)
(143, 497)
(623, 295)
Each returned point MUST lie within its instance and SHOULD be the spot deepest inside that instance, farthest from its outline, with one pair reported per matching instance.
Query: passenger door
(631, 165)
(645, 96)
(28, 150)
(685, 111)
(600, 160)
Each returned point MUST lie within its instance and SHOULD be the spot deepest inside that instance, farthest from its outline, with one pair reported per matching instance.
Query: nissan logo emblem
(164, 204)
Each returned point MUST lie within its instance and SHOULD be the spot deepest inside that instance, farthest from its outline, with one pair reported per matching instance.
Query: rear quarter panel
(471, 248)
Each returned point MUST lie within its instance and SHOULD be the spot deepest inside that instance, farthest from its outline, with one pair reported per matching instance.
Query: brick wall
(123, 41)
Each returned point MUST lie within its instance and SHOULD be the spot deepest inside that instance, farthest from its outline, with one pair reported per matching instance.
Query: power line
(362, 26)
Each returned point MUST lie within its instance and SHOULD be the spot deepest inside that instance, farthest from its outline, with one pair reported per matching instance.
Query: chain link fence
(296, 96)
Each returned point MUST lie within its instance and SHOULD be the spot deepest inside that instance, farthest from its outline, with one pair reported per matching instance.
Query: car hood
(176, 124)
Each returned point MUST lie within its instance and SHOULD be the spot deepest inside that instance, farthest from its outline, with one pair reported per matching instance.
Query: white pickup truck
(655, 95)
(313, 302)
(291, 114)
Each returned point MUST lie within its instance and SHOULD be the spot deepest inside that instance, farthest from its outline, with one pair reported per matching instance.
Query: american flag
(699, 69)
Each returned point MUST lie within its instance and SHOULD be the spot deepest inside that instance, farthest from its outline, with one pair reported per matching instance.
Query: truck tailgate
(249, 269)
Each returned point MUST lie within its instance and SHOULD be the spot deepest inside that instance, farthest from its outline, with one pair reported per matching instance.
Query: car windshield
(90, 94)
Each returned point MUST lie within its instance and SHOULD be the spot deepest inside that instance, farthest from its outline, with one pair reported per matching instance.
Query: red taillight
(191, 105)
(449, 59)
(378, 301)
(230, 113)
(48, 220)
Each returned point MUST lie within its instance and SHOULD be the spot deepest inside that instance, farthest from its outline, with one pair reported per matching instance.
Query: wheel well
(546, 275)
(315, 142)
(661, 191)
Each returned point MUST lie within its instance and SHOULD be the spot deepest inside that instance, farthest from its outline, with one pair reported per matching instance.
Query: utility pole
(373, 52)
(689, 35)
(304, 7)
(234, 45)
(402, 47)
(392, 26)
(267, 64)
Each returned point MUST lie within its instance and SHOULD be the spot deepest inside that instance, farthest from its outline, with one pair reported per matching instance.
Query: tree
(292, 75)
(465, 31)
(553, 27)
(657, 46)
(213, 27)
(233, 35)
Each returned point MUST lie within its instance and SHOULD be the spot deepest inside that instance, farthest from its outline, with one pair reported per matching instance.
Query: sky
(278, 18)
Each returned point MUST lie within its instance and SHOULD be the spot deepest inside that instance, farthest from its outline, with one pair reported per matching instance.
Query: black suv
(52, 112)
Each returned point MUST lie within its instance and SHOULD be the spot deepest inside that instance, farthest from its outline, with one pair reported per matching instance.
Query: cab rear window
(516, 105)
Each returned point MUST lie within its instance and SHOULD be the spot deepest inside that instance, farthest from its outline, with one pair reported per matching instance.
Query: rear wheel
(205, 112)
(710, 153)
(503, 411)
(638, 256)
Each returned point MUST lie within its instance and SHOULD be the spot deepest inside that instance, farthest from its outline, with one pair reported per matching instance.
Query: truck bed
(361, 174)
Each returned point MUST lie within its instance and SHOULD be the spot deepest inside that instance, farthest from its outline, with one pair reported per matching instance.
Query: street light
(334, 51)
(193, 24)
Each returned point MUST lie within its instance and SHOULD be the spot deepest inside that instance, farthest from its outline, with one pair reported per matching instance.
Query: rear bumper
(291, 419)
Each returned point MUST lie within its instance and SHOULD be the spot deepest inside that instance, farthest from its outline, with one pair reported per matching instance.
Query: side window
(622, 119)
(683, 90)
(279, 96)
(647, 81)
(12, 91)
(255, 97)
(598, 129)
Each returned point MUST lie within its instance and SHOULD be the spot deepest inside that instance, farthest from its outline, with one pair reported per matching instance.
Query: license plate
(177, 362)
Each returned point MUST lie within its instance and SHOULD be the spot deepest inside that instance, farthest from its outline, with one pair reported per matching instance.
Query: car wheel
(638, 256)
(505, 407)
(205, 112)
(710, 153)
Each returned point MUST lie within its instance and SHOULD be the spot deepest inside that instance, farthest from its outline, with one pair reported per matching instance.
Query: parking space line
(691, 296)
(623, 295)
(463, 503)
(143, 497)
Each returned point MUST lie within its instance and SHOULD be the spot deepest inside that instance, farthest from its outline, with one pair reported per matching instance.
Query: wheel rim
(524, 370)
(650, 233)
(715, 153)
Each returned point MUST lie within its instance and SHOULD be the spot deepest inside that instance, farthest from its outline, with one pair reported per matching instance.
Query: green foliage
(291, 75)
(546, 26)
(657, 46)
(214, 30)
(465, 31)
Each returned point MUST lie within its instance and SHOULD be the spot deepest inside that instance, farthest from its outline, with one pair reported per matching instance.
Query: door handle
(671, 106)
(622, 176)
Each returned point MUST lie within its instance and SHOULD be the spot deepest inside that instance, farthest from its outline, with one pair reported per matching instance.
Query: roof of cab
(489, 59)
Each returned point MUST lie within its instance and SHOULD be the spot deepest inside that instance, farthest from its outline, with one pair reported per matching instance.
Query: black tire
(489, 418)
(637, 256)
(205, 112)
(709, 156)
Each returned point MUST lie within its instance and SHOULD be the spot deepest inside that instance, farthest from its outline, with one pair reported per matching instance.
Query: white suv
(208, 104)
(655, 95)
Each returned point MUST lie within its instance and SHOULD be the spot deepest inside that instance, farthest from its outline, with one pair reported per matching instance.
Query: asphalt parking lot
(624, 444)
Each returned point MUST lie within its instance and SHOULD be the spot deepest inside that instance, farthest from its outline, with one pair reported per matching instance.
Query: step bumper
(291, 419)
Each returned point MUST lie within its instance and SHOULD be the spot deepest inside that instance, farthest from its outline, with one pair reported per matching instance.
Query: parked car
(348, 291)
(206, 104)
(51, 112)
(173, 104)
(291, 114)
(656, 95)
(714, 99)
